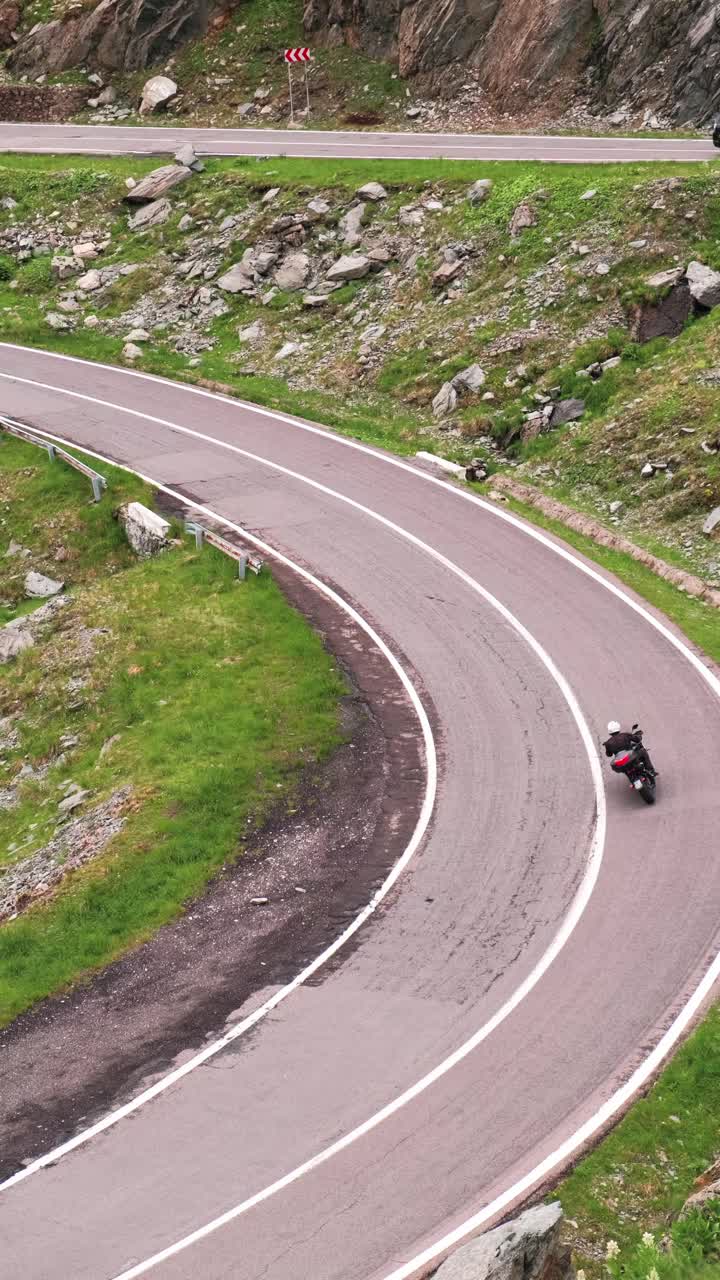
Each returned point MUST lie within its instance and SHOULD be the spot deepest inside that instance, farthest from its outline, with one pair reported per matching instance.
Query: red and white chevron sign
(298, 55)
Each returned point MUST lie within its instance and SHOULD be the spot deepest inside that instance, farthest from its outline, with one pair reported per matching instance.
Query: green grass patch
(219, 692)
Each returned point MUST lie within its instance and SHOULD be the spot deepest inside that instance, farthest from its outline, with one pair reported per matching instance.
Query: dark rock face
(665, 53)
(118, 34)
(655, 53)
(664, 319)
(9, 19)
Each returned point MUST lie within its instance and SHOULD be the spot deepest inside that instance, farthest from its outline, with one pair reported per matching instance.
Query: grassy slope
(220, 694)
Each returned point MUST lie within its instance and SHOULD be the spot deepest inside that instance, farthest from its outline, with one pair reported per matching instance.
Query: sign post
(293, 56)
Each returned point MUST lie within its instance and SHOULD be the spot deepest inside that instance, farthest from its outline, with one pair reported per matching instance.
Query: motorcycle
(716, 132)
(629, 764)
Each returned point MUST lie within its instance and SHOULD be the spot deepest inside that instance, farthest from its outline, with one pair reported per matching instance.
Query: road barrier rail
(54, 451)
(245, 559)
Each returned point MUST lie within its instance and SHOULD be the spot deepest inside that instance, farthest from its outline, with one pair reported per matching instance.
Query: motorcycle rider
(632, 741)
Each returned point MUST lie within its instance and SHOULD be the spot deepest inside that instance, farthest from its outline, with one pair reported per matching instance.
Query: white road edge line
(682, 1021)
(592, 869)
(418, 834)
(417, 1266)
(577, 908)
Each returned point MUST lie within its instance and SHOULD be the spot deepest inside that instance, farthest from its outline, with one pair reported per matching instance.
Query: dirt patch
(76, 1056)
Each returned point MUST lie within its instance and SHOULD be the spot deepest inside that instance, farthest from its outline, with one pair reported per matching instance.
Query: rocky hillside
(517, 314)
(653, 52)
(624, 56)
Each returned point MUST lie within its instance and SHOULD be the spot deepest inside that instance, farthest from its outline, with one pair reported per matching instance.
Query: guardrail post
(242, 567)
(97, 487)
(198, 532)
(51, 452)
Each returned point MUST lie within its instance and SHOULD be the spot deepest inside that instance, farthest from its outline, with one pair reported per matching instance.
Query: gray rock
(411, 216)
(73, 801)
(38, 587)
(318, 208)
(523, 218)
(253, 333)
(663, 278)
(617, 508)
(138, 335)
(446, 273)
(292, 274)
(14, 641)
(350, 267)
(528, 1248)
(270, 195)
(90, 281)
(374, 191)
(287, 350)
(8, 203)
(704, 284)
(246, 110)
(150, 215)
(107, 97)
(157, 92)
(237, 280)
(131, 352)
(350, 225)
(471, 379)
(56, 321)
(712, 524)
(145, 530)
(480, 191)
(315, 300)
(445, 401)
(373, 334)
(186, 156)
(85, 250)
(589, 195)
(65, 265)
(158, 183)
(185, 222)
(567, 411)
(648, 470)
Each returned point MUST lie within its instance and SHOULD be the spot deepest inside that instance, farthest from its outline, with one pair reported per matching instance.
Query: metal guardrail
(54, 451)
(245, 559)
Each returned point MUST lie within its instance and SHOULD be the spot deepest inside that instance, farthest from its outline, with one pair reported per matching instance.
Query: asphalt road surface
(159, 140)
(478, 908)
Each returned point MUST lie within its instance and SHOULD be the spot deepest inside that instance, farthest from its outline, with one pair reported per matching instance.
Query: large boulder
(445, 401)
(664, 319)
(292, 274)
(352, 267)
(471, 380)
(145, 530)
(239, 279)
(704, 284)
(13, 641)
(157, 92)
(38, 587)
(528, 1248)
(157, 184)
(374, 191)
(351, 223)
(116, 35)
(150, 215)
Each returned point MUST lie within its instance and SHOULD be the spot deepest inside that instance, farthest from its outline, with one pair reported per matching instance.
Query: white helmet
(613, 727)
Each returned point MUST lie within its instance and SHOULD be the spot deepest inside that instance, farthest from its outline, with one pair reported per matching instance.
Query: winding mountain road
(545, 944)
